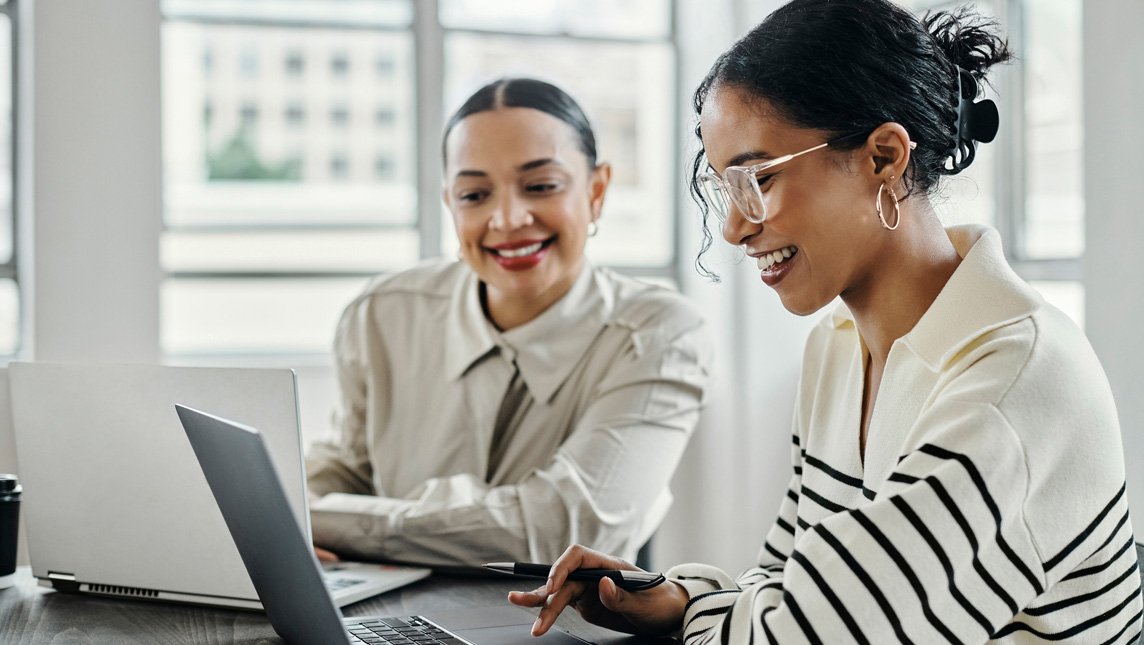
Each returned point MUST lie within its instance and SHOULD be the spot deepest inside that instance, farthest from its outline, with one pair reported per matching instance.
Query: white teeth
(521, 252)
(767, 260)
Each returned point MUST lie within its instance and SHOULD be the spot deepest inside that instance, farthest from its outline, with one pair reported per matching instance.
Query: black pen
(626, 580)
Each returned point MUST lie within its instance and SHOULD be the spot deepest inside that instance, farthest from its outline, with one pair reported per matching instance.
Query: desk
(33, 614)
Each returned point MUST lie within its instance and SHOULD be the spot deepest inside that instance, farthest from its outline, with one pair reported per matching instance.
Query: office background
(207, 182)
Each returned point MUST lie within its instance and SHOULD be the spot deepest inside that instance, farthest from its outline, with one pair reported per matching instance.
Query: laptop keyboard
(337, 584)
(410, 630)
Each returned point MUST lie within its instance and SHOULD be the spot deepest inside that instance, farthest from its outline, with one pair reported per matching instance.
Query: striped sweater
(989, 506)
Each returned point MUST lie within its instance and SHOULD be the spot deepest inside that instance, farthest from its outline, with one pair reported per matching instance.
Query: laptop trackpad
(499, 624)
(515, 635)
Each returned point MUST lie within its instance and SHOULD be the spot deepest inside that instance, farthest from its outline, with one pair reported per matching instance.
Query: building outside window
(274, 221)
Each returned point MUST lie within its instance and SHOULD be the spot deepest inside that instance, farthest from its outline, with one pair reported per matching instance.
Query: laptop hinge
(63, 581)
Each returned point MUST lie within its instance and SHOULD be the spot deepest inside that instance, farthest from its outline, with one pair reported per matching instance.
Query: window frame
(10, 270)
(428, 34)
(1010, 216)
(1012, 171)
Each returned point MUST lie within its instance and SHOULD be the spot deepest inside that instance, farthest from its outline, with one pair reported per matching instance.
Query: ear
(887, 151)
(598, 187)
(445, 196)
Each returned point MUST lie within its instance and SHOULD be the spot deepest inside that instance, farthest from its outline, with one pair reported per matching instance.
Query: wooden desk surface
(32, 614)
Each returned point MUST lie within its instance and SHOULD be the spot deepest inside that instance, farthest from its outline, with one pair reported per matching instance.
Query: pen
(627, 580)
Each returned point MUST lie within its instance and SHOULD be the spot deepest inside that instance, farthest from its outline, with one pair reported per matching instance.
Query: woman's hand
(658, 610)
(326, 557)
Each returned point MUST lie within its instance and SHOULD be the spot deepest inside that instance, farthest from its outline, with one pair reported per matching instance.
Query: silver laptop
(237, 465)
(114, 501)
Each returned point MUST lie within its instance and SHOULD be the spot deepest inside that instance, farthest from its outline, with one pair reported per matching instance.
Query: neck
(916, 262)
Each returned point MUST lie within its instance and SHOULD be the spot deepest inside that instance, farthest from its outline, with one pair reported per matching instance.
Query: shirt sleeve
(340, 462)
(942, 554)
(598, 489)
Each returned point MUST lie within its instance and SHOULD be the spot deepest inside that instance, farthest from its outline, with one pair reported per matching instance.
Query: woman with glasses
(958, 474)
(504, 405)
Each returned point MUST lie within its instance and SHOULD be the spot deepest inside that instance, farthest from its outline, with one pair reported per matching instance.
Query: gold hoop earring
(593, 228)
(897, 209)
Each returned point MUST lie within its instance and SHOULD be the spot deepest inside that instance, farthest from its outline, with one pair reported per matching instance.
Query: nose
(510, 212)
(737, 228)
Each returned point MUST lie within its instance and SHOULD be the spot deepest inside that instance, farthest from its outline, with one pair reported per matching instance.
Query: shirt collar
(546, 348)
(469, 336)
(983, 294)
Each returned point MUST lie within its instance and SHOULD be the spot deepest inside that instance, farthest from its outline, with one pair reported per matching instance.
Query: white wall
(1114, 215)
(92, 126)
(89, 171)
(738, 466)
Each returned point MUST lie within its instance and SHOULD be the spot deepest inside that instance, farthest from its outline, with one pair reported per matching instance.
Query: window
(339, 166)
(9, 291)
(295, 64)
(384, 117)
(274, 221)
(385, 65)
(339, 65)
(295, 114)
(248, 63)
(383, 166)
(1029, 182)
(339, 116)
(249, 115)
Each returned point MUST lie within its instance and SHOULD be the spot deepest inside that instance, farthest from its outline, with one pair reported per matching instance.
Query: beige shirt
(616, 372)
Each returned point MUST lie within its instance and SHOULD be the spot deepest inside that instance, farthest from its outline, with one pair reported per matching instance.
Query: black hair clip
(976, 121)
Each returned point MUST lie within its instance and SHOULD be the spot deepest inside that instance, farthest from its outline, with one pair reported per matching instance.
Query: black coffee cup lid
(8, 483)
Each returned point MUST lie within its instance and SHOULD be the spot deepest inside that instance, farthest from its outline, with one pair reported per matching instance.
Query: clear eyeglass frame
(739, 185)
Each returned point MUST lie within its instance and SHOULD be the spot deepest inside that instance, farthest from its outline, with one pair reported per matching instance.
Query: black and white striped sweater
(990, 503)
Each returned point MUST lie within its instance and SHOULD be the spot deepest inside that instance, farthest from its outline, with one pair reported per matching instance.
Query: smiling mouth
(521, 251)
(771, 258)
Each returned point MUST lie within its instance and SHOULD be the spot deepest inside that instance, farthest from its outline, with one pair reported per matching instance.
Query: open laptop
(237, 465)
(114, 501)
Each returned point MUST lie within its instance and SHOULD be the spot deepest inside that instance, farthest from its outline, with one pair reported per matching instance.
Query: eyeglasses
(739, 185)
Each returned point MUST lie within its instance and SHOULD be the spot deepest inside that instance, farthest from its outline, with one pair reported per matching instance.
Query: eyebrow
(738, 159)
(528, 165)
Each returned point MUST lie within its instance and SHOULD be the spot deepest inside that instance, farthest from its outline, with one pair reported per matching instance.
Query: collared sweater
(989, 506)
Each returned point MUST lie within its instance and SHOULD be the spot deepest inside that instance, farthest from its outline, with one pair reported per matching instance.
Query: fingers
(567, 562)
(612, 597)
(559, 592)
(325, 556)
(580, 557)
(556, 603)
(535, 598)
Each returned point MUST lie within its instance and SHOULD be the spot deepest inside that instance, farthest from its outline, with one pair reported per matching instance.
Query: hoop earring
(593, 228)
(897, 209)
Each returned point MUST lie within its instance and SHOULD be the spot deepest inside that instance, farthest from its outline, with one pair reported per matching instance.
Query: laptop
(237, 464)
(114, 502)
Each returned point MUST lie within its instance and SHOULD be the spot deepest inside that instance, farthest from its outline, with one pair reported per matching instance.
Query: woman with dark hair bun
(958, 471)
(505, 405)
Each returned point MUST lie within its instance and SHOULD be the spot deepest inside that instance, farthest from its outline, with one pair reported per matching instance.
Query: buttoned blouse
(615, 371)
